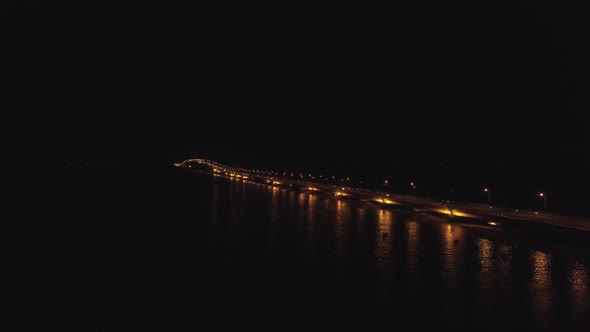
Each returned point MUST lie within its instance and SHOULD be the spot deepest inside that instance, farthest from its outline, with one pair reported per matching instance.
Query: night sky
(449, 94)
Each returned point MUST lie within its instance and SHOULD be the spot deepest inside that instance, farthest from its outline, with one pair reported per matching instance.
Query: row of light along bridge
(385, 198)
(493, 216)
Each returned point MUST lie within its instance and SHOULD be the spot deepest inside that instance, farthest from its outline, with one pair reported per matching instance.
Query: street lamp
(544, 201)
(487, 191)
(413, 187)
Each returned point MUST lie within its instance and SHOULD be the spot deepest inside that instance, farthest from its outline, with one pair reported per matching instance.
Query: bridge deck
(460, 209)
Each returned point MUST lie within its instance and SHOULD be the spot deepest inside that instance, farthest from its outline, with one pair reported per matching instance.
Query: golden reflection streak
(412, 229)
(484, 250)
(311, 208)
(301, 204)
(383, 251)
(243, 192)
(453, 239)
(339, 228)
(384, 236)
(275, 205)
(384, 227)
(541, 280)
(339, 205)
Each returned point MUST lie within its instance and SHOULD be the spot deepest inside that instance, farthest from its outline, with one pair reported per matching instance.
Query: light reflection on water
(541, 280)
(273, 227)
(301, 205)
(484, 250)
(384, 236)
(473, 267)
(413, 256)
(383, 251)
(452, 249)
(342, 216)
(275, 205)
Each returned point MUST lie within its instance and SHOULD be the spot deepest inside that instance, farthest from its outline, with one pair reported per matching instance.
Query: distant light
(541, 194)
(493, 223)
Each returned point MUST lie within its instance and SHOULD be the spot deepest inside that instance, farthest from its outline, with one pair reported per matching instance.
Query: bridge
(495, 216)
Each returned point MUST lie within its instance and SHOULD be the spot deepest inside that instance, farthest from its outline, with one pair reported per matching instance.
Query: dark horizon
(462, 95)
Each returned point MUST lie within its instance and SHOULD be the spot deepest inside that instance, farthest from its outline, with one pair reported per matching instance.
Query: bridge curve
(452, 209)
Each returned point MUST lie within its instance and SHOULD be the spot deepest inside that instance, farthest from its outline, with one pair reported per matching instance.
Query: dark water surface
(179, 251)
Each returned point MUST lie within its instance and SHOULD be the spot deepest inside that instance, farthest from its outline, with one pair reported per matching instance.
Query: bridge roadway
(454, 209)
